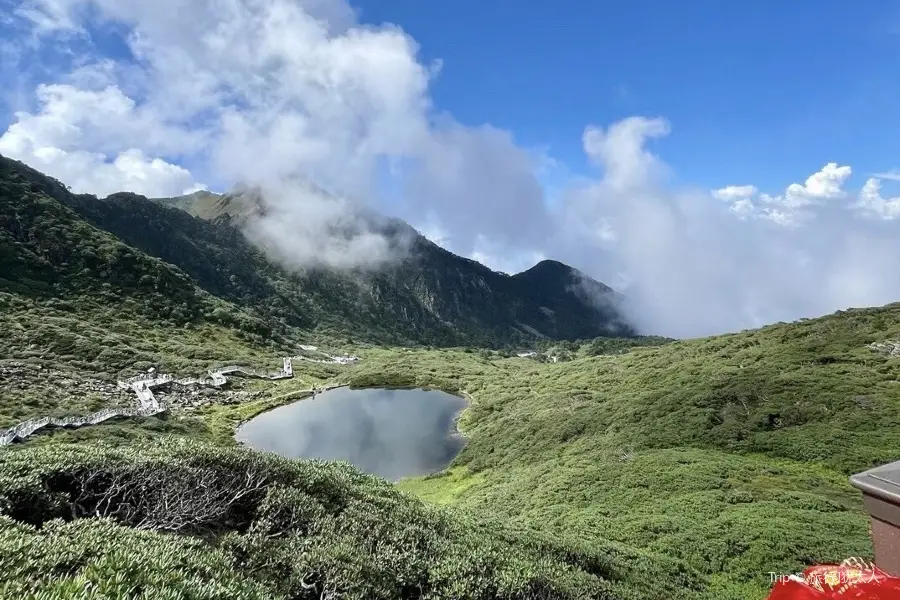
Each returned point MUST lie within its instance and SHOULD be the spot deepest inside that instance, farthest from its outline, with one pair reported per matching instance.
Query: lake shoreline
(392, 432)
(274, 403)
(278, 402)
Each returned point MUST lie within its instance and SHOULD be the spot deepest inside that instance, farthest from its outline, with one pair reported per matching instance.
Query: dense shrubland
(731, 452)
(180, 520)
(729, 455)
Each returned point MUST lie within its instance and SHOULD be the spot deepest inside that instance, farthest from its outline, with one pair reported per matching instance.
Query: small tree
(173, 498)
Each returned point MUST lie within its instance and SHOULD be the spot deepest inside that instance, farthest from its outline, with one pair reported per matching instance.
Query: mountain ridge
(242, 201)
(430, 296)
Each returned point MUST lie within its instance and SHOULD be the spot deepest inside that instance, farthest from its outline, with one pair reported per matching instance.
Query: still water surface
(386, 432)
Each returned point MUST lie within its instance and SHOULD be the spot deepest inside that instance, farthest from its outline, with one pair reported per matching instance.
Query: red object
(852, 579)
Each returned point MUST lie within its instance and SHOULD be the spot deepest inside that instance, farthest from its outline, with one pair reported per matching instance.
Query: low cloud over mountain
(199, 94)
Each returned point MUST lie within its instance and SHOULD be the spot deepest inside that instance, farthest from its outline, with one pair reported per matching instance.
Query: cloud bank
(303, 227)
(275, 92)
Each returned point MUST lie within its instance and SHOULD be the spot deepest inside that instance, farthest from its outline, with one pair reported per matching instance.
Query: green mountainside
(202, 203)
(237, 204)
(550, 300)
(191, 202)
(634, 468)
(251, 526)
(731, 453)
(432, 296)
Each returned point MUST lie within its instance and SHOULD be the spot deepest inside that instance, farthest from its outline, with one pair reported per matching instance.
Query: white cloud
(499, 258)
(824, 185)
(320, 230)
(478, 184)
(695, 269)
(283, 89)
(275, 91)
(792, 207)
(740, 197)
(132, 170)
(104, 120)
(620, 150)
(48, 16)
(871, 201)
(893, 175)
(268, 90)
(84, 137)
(735, 193)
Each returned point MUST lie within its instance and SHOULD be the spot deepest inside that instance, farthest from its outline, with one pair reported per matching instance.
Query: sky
(723, 165)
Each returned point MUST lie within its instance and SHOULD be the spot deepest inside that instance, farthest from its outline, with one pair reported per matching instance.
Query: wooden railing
(26, 428)
(147, 403)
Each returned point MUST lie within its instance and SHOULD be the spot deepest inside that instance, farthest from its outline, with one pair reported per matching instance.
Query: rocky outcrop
(889, 347)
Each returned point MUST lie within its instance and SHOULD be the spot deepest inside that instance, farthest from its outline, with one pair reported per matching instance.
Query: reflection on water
(390, 433)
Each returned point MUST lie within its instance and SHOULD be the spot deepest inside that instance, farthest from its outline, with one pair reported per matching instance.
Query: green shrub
(80, 521)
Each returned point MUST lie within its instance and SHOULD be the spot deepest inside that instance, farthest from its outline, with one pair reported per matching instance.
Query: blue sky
(756, 92)
(764, 92)
(724, 164)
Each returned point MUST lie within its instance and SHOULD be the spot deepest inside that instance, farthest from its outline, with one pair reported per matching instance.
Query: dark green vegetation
(660, 469)
(122, 284)
(184, 268)
(98, 522)
(731, 453)
(438, 289)
(728, 456)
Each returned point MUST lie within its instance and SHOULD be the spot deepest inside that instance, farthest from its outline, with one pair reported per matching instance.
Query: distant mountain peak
(549, 263)
(554, 272)
(549, 266)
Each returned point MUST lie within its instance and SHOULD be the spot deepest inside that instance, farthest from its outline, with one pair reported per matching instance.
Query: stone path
(148, 405)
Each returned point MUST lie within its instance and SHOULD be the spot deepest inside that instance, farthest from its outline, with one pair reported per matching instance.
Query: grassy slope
(85, 342)
(730, 452)
(203, 204)
(77, 301)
